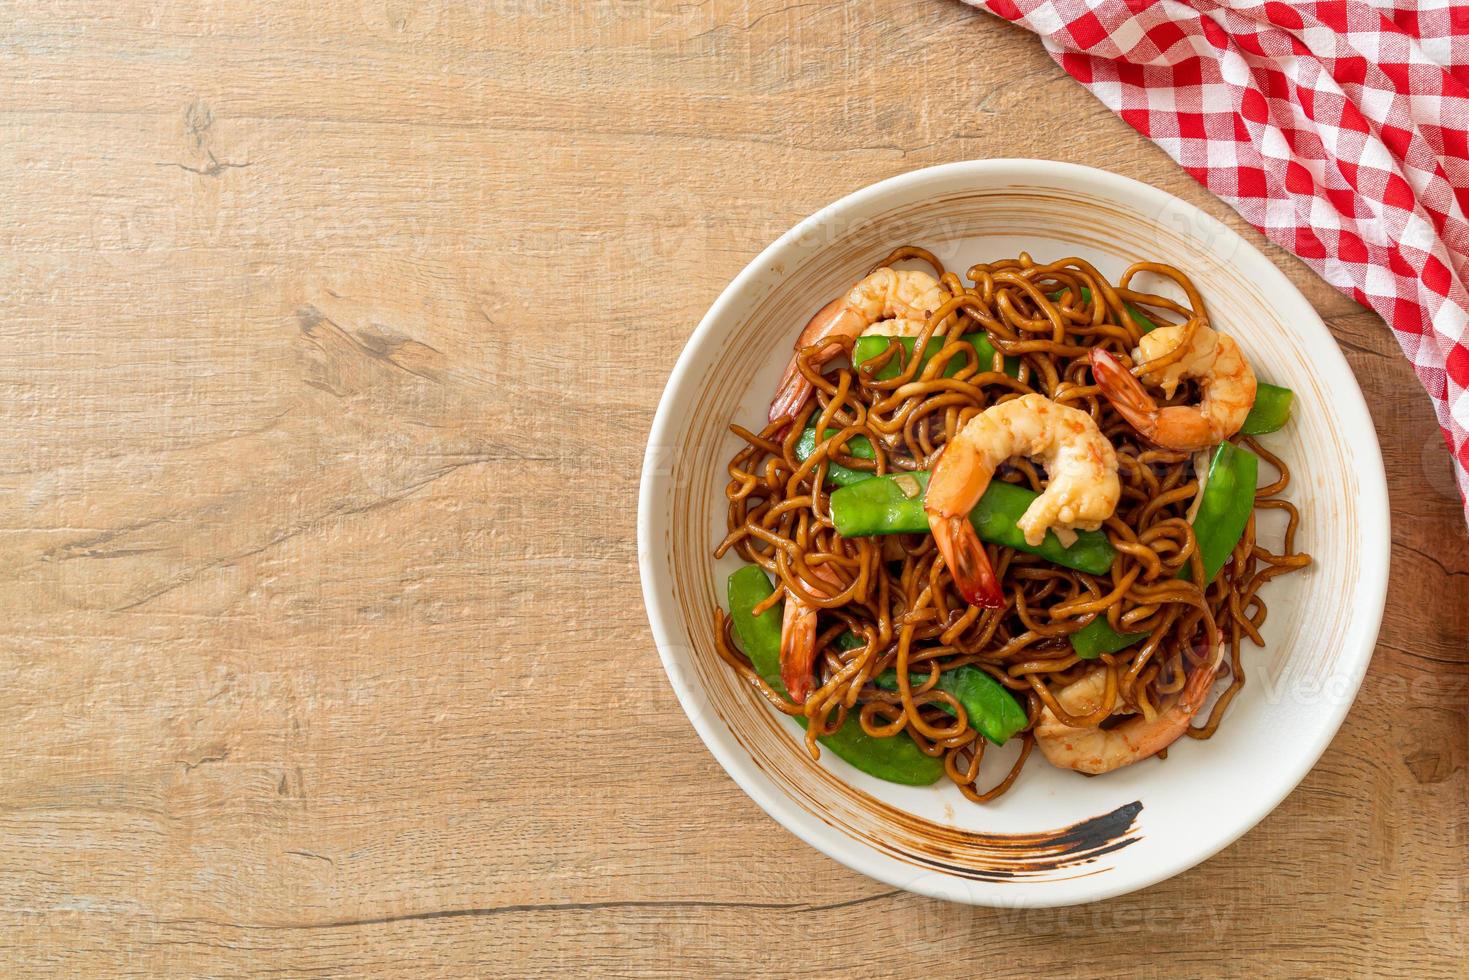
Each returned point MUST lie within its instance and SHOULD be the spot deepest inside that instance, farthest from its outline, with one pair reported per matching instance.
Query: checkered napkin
(1337, 129)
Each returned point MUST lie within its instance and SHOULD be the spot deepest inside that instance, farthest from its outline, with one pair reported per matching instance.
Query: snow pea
(1098, 637)
(1228, 500)
(1138, 316)
(872, 346)
(836, 473)
(897, 759)
(894, 505)
(1270, 411)
(758, 636)
(992, 710)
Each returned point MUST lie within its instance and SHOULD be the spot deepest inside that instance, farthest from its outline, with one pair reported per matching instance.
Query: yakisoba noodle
(896, 595)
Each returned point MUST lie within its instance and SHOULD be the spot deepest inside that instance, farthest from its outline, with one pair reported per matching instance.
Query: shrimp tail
(1125, 392)
(797, 649)
(791, 395)
(1201, 681)
(974, 577)
(798, 637)
(835, 318)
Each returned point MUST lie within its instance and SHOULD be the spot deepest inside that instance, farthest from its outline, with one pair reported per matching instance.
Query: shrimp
(1082, 491)
(798, 639)
(1096, 750)
(889, 302)
(1213, 359)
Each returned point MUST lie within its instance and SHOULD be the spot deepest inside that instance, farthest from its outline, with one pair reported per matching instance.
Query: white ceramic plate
(1057, 838)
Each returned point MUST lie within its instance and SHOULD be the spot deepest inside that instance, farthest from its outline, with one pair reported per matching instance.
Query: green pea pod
(758, 636)
(992, 710)
(1228, 500)
(1098, 637)
(1270, 411)
(872, 346)
(896, 759)
(894, 505)
(836, 473)
(1138, 316)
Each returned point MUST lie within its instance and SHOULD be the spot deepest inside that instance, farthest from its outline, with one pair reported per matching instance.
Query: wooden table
(331, 337)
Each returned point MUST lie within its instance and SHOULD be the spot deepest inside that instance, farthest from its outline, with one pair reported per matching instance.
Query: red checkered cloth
(1337, 129)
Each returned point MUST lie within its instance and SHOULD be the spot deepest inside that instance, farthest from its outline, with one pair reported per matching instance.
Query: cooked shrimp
(889, 302)
(1081, 493)
(1097, 750)
(1213, 359)
(798, 639)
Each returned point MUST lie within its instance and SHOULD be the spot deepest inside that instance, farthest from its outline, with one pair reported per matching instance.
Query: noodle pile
(899, 599)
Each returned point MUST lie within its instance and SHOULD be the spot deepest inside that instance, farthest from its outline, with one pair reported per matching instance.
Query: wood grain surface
(329, 338)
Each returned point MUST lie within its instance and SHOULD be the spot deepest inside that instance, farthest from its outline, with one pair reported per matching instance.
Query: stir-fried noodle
(896, 595)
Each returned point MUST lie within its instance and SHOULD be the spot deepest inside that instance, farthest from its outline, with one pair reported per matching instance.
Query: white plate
(1057, 838)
